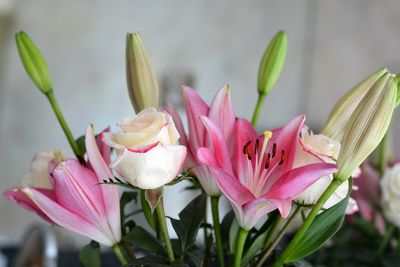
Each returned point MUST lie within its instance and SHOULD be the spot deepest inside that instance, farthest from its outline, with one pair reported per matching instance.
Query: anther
(256, 146)
(267, 161)
(245, 151)
(283, 156)
(274, 150)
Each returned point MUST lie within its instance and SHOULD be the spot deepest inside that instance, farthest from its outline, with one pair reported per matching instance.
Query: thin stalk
(64, 125)
(120, 255)
(128, 250)
(272, 231)
(258, 108)
(207, 241)
(241, 239)
(217, 230)
(307, 223)
(278, 238)
(164, 231)
(386, 239)
(382, 154)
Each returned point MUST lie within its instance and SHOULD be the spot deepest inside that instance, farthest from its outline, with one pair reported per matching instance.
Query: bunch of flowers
(282, 179)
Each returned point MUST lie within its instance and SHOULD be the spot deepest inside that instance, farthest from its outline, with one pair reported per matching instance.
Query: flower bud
(341, 112)
(367, 125)
(272, 63)
(142, 81)
(34, 62)
(397, 81)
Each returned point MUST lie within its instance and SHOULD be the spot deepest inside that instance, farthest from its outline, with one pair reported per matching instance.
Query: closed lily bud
(272, 63)
(142, 81)
(34, 62)
(341, 112)
(397, 80)
(367, 125)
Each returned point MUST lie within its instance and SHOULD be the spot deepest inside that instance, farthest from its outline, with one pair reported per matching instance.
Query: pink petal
(295, 181)
(76, 188)
(67, 219)
(253, 211)
(104, 149)
(109, 193)
(221, 112)
(17, 196)
(195, 107)
(178, 124)
(284, 206)
(244, 132)
(219, 145)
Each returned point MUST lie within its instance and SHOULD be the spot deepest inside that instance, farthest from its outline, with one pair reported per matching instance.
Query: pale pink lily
(221, 113)
(76, 201)
(258, 175)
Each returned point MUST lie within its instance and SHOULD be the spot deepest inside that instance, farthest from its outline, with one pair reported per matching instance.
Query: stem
(164, 230)
(241, 238)
(128, 250)
(257, 110)
(120, 255)
(217, 230)
(386, 239)
(207, 241)
(64, 125)
(382, 157)
(307, 223)
(278, 238)
(272, 231)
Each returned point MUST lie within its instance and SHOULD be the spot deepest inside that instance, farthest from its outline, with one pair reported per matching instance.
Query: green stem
(307, 223)
(382, 154)
(64, 125)
(120, 255)
(241, 239)
(164, 231)
(386, 239)
(257, 110)
(278, 238)
(217, 230)
(128, 250)
(272, 231)
(207, 240)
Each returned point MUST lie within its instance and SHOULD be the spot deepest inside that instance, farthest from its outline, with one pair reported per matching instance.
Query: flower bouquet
(289, 188)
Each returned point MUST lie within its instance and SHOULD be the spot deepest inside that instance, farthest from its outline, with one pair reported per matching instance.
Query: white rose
(148, 153)
(326, 150)
(41, 166)
(390, 187)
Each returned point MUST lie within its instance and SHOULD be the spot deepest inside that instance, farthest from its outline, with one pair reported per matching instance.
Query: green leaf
(155, 261)
(142, 239)
(126, 198)
(254, 248)
(80, 142)
(325, 225)
(233, 233)
(89, 256)
(150, 217)
(190, 219)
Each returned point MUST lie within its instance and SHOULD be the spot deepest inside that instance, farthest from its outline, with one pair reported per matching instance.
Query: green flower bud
(341, 112)
(34, 62)
(142, 81)
(397, 81)
(367, 125)
(272, 63)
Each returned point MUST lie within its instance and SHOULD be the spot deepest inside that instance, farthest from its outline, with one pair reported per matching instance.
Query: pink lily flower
(221, 113)
(258, 175)
(75, 200)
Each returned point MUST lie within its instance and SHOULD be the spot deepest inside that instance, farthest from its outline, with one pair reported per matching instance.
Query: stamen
(283, 157)
(245, 150)
(256, 146)
(267, 161)
(274, 150)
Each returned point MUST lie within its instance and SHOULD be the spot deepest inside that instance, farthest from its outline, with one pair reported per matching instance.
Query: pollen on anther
(283, 156)
(267, 161)
(274, 150)
(256, 145)
(245, 147)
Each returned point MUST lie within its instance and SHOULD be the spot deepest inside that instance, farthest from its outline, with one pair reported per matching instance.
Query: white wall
(332, 45)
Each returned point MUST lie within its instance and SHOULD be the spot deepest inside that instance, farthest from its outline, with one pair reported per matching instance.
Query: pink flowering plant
(289, 188)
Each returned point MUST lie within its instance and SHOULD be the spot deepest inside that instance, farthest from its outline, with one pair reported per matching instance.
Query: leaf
(325, 225)
(190, 219)
(150, 217)
(80, 142)
(89, 256)
(155, 261)
(126, 198)
(233, 232)
(142, 239)
(256, 246)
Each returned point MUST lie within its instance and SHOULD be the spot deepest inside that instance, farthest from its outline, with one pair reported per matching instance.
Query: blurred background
(331, 46)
